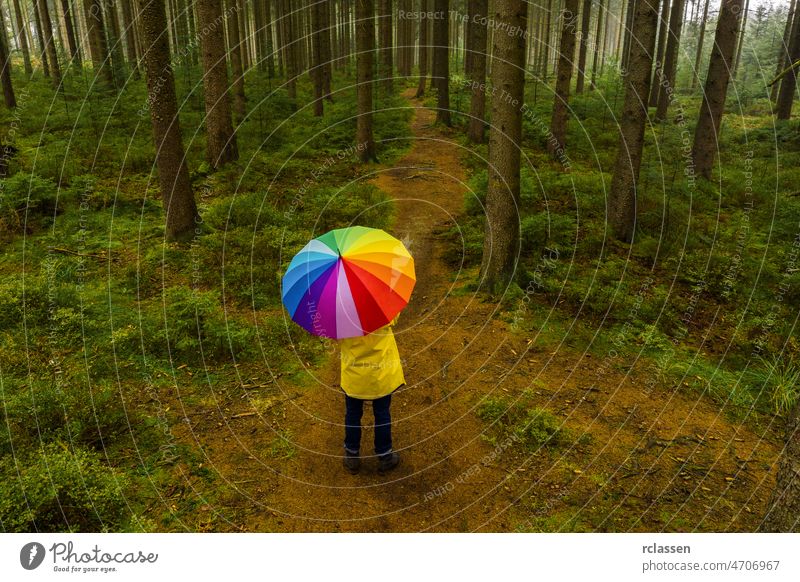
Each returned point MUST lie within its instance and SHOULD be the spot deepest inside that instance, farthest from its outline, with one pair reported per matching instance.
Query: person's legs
(354, 409)
(383, 425)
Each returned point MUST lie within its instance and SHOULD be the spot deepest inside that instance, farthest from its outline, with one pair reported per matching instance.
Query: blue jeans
(354, 410)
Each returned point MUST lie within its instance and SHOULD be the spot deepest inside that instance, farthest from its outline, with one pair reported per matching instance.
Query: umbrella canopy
(348, 282)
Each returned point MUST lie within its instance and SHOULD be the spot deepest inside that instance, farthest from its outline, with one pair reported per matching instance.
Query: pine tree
(365, 41)
(558, 124)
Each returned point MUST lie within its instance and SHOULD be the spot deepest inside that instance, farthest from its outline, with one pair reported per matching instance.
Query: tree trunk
(667, 80)
(478, 10)
(783, 52)
(558, 124)
(597, 36)
(385, 34)
(114, 42)
(239, 100)
(622, 205)
(783, 513)
(440, 78)
(716, 88)
(365, 49)
(325, 48)
(628, 33)
(220, 138)
(22, 32)
(585, 21)
(49, 42)
(700, 39)
(424, 28)
(69, 27)
(130, 37)
(663, 25)
(98, 48)
(741, 38)
(5, 62)
(789, 82)
(501, 233)
(173, 175)
(316, 58)
(292, 50)
(37, 24)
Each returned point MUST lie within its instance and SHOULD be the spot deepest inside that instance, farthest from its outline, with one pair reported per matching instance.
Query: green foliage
(780, 376)
(60, 488)
(530, 427)
(24, 198)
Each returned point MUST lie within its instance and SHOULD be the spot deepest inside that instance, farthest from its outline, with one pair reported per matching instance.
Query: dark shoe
(351, 462)
(388, 462)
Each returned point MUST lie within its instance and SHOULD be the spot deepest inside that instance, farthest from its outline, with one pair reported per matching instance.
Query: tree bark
(130, 37)
(663, 25)
(98, 48)
(114, 41)
(5, 62)
(441, 60)
(478, 11)
(22, 32)
(69, 27)
(622, 204)
(501, 234)
(667, 80)
(599, 32)
(385, 34)
(49, 43)
(317, 63)
(221, 140)
(325, 47)
(292, 50)
(716, 88)
(37, 24)
(700, 39)
(173, 175)
(783, 52)
(585, 21)
(783, 513)
(741, 38)
(789, 82)
(365, 49)
(628, 32)
(424, 47)
(237, 70)
(558, 125)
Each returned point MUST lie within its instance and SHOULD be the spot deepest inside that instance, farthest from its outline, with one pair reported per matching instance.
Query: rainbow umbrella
(348, 282)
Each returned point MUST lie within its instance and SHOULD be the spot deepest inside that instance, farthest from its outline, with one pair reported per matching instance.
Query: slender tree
(173, 175)
(501, 235)
(441, 61)
(789, 81)
(783, 51)
(584, 45)
(597, 37)
(129, 33)
(385, 34)
(235, 52)
(114, 41)
(424, 47)
(365, 49)
(291, 49)
(326, 55)
(478, 10)
(22, 35)
(49, 42)
(668, 71)
(221, 139)
(783, 512)
(69, 28)
(98, 47)
(706, 133)
(37, 25)
(558, 124)
(663, 25)
(622, 203)
(700, 39)
(317, 64)
(5, 62)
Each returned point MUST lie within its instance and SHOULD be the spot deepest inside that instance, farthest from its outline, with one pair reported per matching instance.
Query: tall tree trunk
(98, 48)
(69, 28)
(667, 81)
(783, 52)
(478, 11)
(365, 49)
(501, 233)
(547, 44)
(441, 60)
(5, 62)
(424, 28)
(585, 21)
(741, 38)
(663, 25)
(114, 42)
(22, 32)
(783, 513)
(130, 37)
(292, 50)
(789, 82)
(706, 134)
(270, 43)
(220, 138)
(239, 101)
(37, 24)
(317, 73)
(173, 175)
(385, 34)
(558, 124)
(325, 48)
(622, 205)
(49, 42)
(628, 33)
(700, 39)
(597, 38)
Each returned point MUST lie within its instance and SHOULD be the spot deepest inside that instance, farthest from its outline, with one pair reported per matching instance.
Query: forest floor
(667, 461)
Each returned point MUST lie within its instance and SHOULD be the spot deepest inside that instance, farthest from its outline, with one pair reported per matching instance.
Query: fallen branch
(785, 72)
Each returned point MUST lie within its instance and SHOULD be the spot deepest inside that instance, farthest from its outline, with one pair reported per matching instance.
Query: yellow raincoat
(371, 366)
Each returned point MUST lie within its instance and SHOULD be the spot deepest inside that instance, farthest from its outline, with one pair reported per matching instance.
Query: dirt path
(644, 466)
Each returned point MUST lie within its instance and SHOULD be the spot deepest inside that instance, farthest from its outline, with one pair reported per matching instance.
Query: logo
(31, 555)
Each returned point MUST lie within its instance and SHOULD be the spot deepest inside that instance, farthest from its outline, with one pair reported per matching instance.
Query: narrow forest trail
(669, 461)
